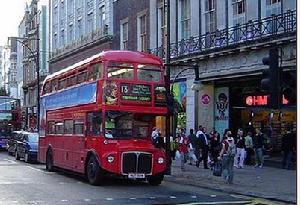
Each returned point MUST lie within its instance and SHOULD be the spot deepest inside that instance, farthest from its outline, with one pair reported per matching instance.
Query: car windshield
(33, 138)
(124, 125)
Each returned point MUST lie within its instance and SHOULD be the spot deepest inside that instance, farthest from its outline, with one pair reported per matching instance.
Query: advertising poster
(221, 110)
(179, 90)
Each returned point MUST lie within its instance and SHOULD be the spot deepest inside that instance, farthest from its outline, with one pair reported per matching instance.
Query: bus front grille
(136, 162)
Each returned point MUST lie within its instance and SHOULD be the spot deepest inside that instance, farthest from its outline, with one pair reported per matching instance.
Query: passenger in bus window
(97, 128)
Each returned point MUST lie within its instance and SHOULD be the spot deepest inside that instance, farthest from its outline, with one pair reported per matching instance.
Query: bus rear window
(149, 73)
(120, 70)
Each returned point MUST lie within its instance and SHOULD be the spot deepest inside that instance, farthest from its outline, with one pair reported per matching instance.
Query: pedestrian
(258, 148)
(240, 150)
(288, 146)
(204, 146)
(215, 148)
(192, 146)
(197, 145)
(249, 148)
(227, 156)
(183, 150)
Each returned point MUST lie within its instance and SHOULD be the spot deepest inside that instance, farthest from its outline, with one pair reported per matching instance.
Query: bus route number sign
(131, 92)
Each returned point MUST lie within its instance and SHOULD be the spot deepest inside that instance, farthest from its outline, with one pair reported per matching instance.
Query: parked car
(12, 142)
(27, 146)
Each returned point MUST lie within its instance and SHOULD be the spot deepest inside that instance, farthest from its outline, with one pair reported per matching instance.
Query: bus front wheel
(49, 161)
(93, 171)
(156, 180)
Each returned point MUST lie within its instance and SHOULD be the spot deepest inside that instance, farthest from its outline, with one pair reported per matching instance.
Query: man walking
(287, 148)
(258, 147)
(249, 148)
(204, 147)
(240, 151)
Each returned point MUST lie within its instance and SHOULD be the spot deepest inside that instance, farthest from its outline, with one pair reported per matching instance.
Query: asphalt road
(22, 183)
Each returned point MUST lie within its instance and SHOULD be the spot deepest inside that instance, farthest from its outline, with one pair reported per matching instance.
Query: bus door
(78, 146)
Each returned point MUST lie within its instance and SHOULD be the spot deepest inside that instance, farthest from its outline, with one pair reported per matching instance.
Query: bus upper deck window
(120, 70)
(150, 73)
(96, 71)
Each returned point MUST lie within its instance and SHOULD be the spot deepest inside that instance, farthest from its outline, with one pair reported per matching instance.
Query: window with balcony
(79, 29)
(90, 23)
(273, 7)
(210, 16)
(162, 22)
(142, 33)
(102, 17)
(185, 19)
(124, 36)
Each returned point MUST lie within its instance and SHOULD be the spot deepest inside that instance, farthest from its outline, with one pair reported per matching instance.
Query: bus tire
(94, 173)
(49, 161)
(156, 180)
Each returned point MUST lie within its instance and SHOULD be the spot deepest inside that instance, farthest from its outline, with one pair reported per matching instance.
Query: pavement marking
(172, 197)
(109, 199)
(239, 196)
(218, 202)
(152, 197)
(87, 200)
(11, 161)
(213, 195)
(193, 197)
(64, 200)
(36, 169)
(61, 182)
(132, 198)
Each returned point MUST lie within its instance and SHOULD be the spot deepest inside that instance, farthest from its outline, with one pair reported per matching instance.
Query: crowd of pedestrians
(229, 151)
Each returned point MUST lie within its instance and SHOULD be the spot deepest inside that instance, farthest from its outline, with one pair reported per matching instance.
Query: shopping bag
(217, 169)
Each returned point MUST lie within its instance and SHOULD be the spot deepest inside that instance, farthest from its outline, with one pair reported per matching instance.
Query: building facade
(12, 85)
(78, 29)
(1, 68)
(228, 39)
(34, 42)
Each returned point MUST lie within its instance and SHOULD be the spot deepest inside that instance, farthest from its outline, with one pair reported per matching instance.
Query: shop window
(68, 125)
(78, 127)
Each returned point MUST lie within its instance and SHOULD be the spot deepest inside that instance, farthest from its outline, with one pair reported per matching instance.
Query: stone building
(78, 29)
(228, 39)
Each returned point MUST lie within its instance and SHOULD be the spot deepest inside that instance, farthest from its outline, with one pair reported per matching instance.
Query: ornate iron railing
(259, 30)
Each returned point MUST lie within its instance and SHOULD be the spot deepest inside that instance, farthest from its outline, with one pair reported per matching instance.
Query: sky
(11, 14)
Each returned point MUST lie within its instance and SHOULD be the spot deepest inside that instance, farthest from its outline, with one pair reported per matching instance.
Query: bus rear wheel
(93, 171)
(156, 180)
(49, 161)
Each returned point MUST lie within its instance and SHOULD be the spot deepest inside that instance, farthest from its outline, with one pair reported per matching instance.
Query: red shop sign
(260, 100)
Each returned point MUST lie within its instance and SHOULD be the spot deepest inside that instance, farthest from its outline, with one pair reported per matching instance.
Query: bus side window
(72, 80)
(96, 71)
(82, 77)
(68, 127)
(59, 128)
(94, 123)
(51, 127)
(54, 84)
(78, 127)
(61, 84)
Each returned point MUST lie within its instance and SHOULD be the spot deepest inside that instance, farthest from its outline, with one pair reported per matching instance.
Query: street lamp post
(37, 69)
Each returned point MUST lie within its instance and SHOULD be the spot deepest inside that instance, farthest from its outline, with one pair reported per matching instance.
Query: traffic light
(271, 79)
(170, 103)
(289, 83)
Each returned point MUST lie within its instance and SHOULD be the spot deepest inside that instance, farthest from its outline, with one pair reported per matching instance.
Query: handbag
(217, 169)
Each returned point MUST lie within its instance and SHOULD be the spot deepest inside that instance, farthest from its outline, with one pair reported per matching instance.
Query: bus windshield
(124, 125)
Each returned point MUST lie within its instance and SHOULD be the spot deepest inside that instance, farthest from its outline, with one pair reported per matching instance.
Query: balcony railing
(270, 27)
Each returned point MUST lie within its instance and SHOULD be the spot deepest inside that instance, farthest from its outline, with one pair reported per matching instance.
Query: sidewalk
(268, 182)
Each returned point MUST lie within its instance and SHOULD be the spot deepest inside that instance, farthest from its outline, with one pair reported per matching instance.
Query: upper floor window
(142, 21)
(124, 36)
(210, 16)
(269, 2)
(102, 16)
(185, 19)
(273, 7)
(238, 6)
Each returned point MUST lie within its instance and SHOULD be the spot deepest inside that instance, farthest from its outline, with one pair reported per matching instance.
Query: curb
(169, 178)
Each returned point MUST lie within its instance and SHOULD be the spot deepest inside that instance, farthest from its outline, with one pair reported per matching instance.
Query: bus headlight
(160, 160)
(110, 159)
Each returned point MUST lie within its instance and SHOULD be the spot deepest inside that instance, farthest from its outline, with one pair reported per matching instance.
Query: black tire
(49, 161)
(94, 173)
(17, 157)
(156, 180)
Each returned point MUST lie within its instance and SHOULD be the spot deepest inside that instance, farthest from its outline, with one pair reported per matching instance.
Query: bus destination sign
(131, 92)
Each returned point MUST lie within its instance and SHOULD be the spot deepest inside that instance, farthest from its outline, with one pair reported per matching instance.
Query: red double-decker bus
(10, 118)
(97, 117)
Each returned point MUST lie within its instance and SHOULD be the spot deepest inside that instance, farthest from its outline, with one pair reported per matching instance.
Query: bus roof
(113, 55)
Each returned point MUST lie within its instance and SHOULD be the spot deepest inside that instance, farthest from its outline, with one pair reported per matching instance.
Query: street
(22, 183)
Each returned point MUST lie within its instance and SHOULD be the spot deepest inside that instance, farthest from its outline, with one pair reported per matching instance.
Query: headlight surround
(110, 159)
(160, 160)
